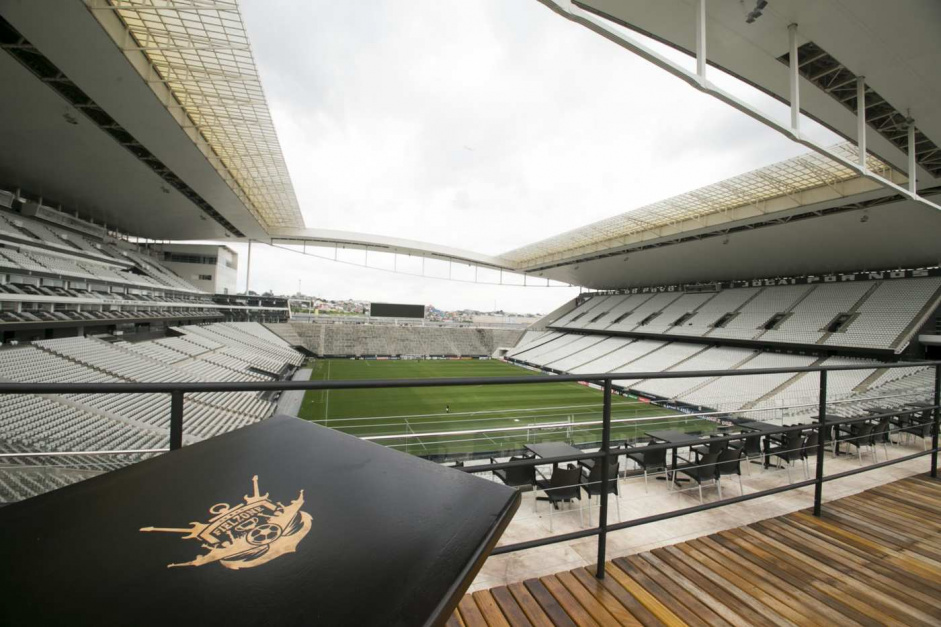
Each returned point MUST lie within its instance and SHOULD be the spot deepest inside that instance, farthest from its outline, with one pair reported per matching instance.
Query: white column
(912, 166)
(861, 119)
(701, 38)
(795, 76)
(248, 269)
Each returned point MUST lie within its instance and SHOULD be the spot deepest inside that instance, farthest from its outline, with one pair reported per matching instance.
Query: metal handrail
(177, 391)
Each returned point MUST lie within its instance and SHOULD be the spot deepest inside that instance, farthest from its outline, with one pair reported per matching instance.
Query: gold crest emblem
(247, 535)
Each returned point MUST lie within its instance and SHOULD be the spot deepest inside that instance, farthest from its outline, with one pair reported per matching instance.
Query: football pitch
(437, 421)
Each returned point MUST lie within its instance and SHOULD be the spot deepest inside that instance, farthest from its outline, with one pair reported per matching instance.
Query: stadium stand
(879, 315)
(78, 422)
(360, 340)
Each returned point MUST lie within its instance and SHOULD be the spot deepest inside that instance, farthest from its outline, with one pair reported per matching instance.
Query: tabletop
(553, 449)
(674, 437)
(282, 522)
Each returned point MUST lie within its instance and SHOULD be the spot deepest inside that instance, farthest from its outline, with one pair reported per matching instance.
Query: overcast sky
(477, 124)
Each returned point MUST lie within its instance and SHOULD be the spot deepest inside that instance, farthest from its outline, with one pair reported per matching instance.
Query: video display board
(396, 310)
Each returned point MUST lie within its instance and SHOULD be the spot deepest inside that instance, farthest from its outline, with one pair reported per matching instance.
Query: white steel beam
(795, 79)
(630, 42)
(861, 119)
(912, 169)
(701, 38)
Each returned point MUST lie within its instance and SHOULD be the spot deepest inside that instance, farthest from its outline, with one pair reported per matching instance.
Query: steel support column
(821, 430)
(936, 422)
(861, 119)
(176, 420)
(795, 78)
(605, 478)
(701, 38)
(912, 166)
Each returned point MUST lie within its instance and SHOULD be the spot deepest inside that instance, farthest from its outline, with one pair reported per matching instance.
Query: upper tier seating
(33, 246)
(867, 314)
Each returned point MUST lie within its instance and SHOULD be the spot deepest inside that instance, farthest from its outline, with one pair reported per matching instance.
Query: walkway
(872, 558)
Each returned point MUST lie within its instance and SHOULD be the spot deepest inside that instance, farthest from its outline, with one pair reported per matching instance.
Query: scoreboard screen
(395, 310)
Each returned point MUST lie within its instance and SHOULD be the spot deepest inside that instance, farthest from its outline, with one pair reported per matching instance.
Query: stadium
(735, 421)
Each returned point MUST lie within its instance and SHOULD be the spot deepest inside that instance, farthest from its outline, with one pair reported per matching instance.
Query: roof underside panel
(200, 52)
(787, 179)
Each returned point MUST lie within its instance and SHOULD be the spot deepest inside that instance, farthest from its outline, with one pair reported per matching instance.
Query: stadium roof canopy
(824, 211)
(147, 115)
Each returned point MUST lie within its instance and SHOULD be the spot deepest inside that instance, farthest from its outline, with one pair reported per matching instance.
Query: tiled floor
(635, 503)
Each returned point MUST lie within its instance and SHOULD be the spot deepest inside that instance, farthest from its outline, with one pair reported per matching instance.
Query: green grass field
(509, 413)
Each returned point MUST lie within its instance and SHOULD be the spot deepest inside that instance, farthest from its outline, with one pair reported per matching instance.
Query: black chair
(730, 463)
(518, 477)
(710, 447)
(809, 450)
(750, 446)
(706, 469)
(651, 460)
(919, 426)
(859, 435)
(591, 483)
(787, 450)
(880, 435)
(562, 487)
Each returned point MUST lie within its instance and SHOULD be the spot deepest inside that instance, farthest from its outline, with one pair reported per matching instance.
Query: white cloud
(482, 125)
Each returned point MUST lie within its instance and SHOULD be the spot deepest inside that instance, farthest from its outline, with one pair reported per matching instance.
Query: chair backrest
(653, 459)
(730, 462)
(753, 444)
(812, 441)
(520, 475)
(594, 476)
(708, 467)
(564, 483)
(718, 447)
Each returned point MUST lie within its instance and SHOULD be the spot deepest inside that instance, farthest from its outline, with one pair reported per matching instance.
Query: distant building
(212, 268)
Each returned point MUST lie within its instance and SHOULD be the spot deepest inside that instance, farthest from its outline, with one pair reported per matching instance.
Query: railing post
(176, 420)
(821, 426)
(605, 470)
(937, 421)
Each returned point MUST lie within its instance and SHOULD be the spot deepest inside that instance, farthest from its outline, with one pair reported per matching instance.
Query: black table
(294, 524)
(553, 449)
(679, 438)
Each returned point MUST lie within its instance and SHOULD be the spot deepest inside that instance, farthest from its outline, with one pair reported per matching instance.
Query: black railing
(177, 392)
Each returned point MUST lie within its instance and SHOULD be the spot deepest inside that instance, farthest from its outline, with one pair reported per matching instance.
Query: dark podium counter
(280, 523)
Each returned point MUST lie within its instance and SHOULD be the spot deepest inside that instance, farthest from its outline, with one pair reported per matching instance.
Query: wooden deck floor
(872, 559)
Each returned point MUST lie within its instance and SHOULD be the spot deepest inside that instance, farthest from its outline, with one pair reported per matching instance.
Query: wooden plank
(810, 581)
(772, 599)
(808, 540)
(514, 614)
(645, 605)
(869, 593)
(594, 607)
(611, 596)
(742, 604)
(716, 605)
(848, 535)
(549, 604)
(489, 608)
(536, 615)
(569, 603)
(687, 607)
(470, 613)
(455, 620)
(887, 595)
(799, 594)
